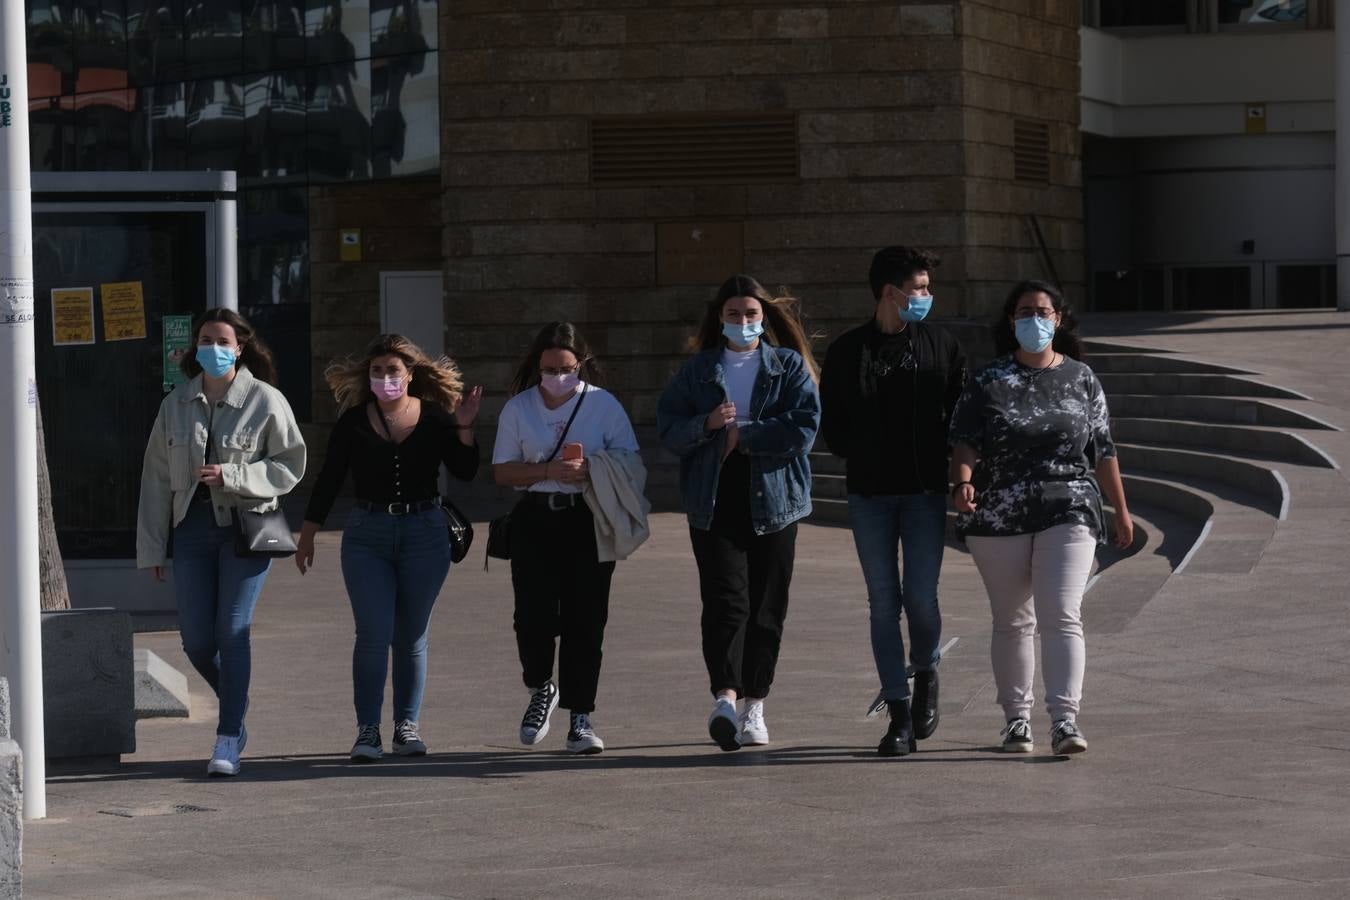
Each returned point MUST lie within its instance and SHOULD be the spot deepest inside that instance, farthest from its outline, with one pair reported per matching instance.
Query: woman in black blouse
(1032, 454)
(405, 414)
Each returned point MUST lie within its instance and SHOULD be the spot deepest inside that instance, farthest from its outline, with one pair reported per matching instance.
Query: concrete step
(1233, 531)
(828, 487)
(825, 463)
(1237, 440)
(1244, 482)
(1095, 347)
(1126, 580)
(1127, 363)
(1189, 384)
(1223, 410)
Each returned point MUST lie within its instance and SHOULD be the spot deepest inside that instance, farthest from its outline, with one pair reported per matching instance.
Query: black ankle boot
(925, 706)
(899, 739)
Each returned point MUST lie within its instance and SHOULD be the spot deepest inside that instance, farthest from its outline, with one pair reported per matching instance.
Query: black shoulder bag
(258, 534)
(499, 529)
(456, 523)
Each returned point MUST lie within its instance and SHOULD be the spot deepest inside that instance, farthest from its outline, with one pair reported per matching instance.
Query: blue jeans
(216, 592)
(394, 567)
(884, 527)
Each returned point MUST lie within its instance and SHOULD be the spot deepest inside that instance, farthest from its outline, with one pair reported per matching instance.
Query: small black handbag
(499, 529)
(265, 534)
(461, 531)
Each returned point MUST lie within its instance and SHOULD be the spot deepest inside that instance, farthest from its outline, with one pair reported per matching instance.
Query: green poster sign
(177, 342)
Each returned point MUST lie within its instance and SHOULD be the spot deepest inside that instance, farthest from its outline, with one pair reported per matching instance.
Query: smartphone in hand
(572, 450)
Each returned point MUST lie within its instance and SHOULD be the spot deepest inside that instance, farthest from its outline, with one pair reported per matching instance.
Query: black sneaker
(1016, 736)
(1065, 738)
(368, 746)
(899, 737)
(924, 703)
(581, 738)
(407, 742)
(543, 701)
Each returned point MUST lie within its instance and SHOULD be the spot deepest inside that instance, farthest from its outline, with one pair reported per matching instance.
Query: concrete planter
(88, 684)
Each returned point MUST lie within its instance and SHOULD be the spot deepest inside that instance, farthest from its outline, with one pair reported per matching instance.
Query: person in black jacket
(888, 389)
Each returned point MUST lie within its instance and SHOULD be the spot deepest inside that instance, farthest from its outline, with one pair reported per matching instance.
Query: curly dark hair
(1066, 338)
(896, 265)
(254, 353)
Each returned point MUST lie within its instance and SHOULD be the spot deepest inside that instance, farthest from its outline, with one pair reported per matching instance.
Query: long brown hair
(783, 324)
(557, 336)
(254, 353)
(436, 381)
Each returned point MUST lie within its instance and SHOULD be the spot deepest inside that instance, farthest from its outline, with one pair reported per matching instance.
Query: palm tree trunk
(55, 592)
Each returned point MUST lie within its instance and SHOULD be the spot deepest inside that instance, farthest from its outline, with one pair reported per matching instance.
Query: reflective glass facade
(285, 92)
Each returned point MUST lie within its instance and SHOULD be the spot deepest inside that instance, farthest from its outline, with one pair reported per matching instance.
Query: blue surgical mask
(919, 305)
(215, 360)
(742, 335)
(1034, 334)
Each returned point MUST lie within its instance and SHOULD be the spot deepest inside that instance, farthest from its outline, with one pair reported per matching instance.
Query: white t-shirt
(527, 430)
(739, 370)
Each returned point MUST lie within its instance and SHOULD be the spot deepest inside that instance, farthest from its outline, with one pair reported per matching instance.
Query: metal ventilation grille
(1031, 150)
(694, 149)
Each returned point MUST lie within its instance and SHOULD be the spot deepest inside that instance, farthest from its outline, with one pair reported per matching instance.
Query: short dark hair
(896, 265)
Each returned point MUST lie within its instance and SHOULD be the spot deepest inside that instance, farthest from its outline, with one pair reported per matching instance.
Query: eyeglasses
(1039, 312)
(560, 370)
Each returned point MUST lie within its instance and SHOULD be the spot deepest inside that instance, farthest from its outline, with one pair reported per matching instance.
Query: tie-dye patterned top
(1039, 434)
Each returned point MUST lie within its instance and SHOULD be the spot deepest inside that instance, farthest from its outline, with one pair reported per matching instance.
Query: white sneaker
(225, 756)
(753, 733)
(723, 726)
(581, 737)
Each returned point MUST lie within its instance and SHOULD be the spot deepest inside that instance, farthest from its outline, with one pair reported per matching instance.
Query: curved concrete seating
(1237, 440)
(1223, 410)
(1232, 532)
(1244, 482)
(1193, 384)
(1127, 363)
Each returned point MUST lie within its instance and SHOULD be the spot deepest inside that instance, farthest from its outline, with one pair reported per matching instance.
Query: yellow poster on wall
(72, 316)
(123, 311)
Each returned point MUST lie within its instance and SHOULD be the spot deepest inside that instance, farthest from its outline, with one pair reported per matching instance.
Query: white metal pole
(1342, 88)
(20, 604)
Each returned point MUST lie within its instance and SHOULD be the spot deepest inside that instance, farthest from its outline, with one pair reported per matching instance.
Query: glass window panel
(1304, 286)
(275, 273)
(274, 123)
(338, 121)
(100, 45)
(401, 26)
(1136, 13)
(404, 124)
(51, 134)
(44, 80)
(159, 128)
(336, 30)
(274, 34)
(1227, 287)
(285, 328)
(1263, 12)
(275, 215)
(214, 30)
(215, 123)
(51, 34)
(155, 41)
(104, 119)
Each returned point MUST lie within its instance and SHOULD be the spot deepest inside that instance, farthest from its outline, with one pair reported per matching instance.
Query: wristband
(958, 485)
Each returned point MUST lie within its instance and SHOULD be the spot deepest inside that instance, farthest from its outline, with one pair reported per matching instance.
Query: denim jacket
(254, 438)
(785, 414)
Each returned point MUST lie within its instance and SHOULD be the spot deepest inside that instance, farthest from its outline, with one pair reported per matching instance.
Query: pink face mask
(388, 388)
(560, 385)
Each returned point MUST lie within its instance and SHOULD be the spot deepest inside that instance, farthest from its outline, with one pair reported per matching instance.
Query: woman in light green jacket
(225, 440)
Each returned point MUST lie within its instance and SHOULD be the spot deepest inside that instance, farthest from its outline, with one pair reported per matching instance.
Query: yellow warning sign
(123, 311)
(72, 316)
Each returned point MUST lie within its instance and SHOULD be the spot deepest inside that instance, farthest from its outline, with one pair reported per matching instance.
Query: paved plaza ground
(1218, 715)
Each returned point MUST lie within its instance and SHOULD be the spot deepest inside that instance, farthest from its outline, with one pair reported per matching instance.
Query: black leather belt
(400, 508)
(556, 501)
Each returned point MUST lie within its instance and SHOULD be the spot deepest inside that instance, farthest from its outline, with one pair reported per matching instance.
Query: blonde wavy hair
(435, 381)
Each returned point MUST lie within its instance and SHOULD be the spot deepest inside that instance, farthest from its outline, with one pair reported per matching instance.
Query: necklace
(397, 418)
(1033, 373)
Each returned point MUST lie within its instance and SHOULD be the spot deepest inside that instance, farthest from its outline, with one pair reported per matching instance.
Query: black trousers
(562, 591)
(743, 579)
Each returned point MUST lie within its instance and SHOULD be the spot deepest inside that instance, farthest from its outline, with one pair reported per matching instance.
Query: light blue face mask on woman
(1033, 333)
(742, 335)
(215, 360)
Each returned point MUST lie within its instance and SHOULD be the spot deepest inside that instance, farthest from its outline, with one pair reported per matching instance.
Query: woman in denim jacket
(742, 415)
(223, 441)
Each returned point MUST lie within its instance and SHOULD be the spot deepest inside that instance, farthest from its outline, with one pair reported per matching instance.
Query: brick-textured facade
(904, 117)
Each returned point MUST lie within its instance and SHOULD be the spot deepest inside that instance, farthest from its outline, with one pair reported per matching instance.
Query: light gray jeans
(1036, 582)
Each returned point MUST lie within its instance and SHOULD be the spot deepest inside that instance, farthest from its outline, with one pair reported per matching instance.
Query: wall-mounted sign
(72, 316)
(177, 344)
(349, 244)
(1256, 118)
(123, 311)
